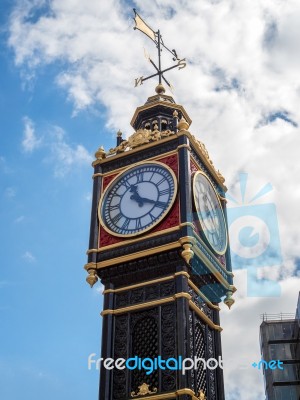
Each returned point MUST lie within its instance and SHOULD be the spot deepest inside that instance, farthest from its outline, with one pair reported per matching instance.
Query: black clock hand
(140, 200)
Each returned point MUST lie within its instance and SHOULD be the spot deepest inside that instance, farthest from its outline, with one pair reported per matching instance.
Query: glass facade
(280, 340)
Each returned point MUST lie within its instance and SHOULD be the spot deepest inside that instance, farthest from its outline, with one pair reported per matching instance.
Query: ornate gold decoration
(187, 244)
(187, 253)
(201, 395)
(119, 133)
(139, 138)
(143, 390)
(204, 152)
(100, 153)
(92, 277)
(229, 301)
(183, 125)
(160, 89)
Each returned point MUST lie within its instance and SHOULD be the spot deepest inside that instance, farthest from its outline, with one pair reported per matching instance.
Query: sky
(67, 86)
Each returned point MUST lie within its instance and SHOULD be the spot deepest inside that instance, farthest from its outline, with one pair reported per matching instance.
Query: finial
(100, 153)
(175, 113)
(183, 125)
(119, 137)
(160, 89)
(92, 277)
(229, 301)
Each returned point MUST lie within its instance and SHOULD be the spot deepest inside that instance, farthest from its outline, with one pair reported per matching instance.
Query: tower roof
(158, 109)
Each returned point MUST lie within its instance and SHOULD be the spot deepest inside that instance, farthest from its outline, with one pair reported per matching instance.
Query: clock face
(138, 199)
(210, 213)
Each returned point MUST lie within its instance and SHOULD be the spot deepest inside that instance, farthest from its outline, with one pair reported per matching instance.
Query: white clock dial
(138, 199)
(210, 213)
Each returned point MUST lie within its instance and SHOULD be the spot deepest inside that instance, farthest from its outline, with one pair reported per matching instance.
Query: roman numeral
(152, 217)
(125, 224)
(112, 208)
(161, 181)
(161, 204)
(116, 218)
(140, 177)
(126, 184)
(162, 192)
(138, 223)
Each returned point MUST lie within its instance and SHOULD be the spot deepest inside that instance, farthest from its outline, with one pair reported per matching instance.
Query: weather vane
(142, 26)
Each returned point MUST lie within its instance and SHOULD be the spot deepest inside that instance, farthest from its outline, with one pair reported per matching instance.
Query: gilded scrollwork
(139, 138)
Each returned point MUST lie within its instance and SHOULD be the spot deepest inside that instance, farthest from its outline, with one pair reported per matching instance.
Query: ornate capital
(143, 390)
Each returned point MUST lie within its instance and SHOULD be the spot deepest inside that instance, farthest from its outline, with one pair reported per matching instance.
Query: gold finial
(92, 278)
(175, 113)
(183, 125)
(160, 89)
(119, 133)
(229, 301)
(100, 153)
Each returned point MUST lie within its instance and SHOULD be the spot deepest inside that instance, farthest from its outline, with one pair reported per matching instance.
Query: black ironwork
(157, 39)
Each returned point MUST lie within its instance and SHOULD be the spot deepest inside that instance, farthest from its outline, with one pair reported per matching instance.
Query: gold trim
(222, 198)
(211, 267)
(112, 246)
(204, 317)
(153, 234)
(172, 395)
(199, 211)
(118, 177)
(197, 290)
(170, 299)
(98, 174)
(153, 281)
(132, 256)
(143, 305)
(211, 253)
(136, 150)
(169, 153)
(182, 146)
(90, 265)
(209, 166)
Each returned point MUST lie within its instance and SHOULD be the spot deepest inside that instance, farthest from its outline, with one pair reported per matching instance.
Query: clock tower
(159, 245)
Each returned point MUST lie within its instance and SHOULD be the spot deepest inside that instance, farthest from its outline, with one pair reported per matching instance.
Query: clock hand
(140, 200)
(135, 196)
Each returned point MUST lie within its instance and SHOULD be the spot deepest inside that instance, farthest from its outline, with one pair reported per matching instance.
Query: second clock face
(138, 199)
(210, 213)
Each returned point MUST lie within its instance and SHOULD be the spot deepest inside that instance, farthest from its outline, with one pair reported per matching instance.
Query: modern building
(280, 340)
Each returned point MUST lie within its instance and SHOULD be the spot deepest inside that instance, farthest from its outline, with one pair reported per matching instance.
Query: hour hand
(135, 196)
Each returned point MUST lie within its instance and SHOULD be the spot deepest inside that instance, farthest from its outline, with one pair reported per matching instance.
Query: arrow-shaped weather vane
(142, 26)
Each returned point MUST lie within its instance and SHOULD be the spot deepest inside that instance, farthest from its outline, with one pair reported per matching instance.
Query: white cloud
(241, 88)
(63, 155)
(30, 141)
(29, 257)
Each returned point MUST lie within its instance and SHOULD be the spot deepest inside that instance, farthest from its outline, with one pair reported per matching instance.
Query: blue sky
(67, 72)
